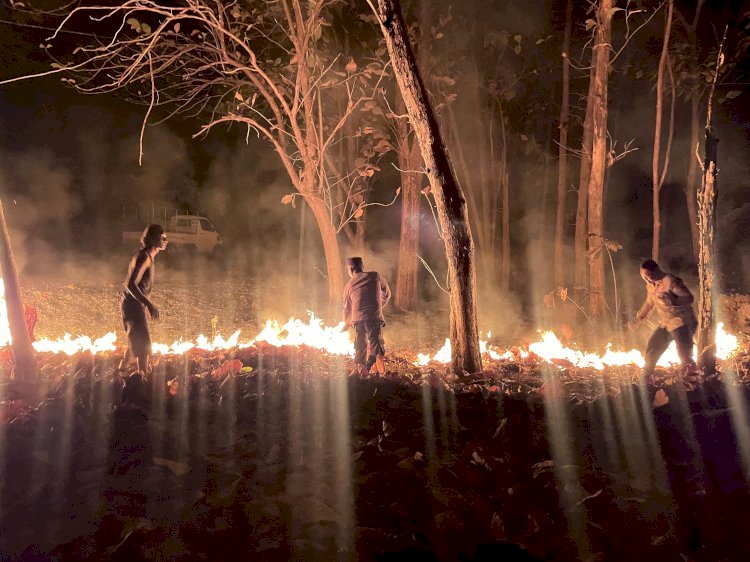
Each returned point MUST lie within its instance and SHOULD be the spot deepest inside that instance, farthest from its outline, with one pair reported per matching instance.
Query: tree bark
(23, 352)
(657, 178)
(332, 252)
(581, 236)
(597, 286)
(707, 227)
(691, 196)
(410, 161)
(449, 199)
(505, 186)
(562, 154)
(707, 196)
(695, 99)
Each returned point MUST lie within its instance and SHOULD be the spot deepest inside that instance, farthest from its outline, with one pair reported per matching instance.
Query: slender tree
(582, 204)
(707, 196)
(410, 163)
(658, 175)
(562, 158)
(450, 202)
(23, 352)
(696, 89)
(602, 47)
(410, 166)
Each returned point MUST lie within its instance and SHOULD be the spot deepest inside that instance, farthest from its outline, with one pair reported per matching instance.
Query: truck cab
(186, 233)
(193, 233)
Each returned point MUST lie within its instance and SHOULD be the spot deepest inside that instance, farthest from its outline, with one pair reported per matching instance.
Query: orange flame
(337, 341)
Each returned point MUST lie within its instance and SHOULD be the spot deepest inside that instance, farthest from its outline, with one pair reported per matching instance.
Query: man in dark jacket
(135, 297)
(672, 301)
(365, 295)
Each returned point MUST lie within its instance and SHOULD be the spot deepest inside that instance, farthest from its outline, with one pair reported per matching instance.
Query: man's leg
(683, 338)
(375, 343)
(139, 340)
(360, 343)
(656, 346)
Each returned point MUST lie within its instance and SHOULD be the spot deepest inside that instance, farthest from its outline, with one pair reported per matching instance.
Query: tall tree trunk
(657, 178)
(581, 236)
(597, 285)
(505, 185)
(505, 279)
(23, 352)
(695, 99)
(334, 266)
(707, 226)
(707, 196)
(410, 161)
(562, 154)
(449, 199)
(691, 197)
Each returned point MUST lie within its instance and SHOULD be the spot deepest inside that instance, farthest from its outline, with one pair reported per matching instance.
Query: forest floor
(276, 454)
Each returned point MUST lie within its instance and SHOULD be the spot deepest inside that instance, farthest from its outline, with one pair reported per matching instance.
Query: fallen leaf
(660, 399)
(231, 367)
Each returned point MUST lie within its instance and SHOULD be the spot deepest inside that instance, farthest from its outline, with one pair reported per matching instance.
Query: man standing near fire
(135, 297)
(673, 302)
(365, 295)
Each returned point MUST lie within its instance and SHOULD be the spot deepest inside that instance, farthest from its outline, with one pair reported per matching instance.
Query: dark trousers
(659, 342)
(136, 328)
(368, 342)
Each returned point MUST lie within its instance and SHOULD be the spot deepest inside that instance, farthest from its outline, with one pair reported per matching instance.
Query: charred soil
(275, 454)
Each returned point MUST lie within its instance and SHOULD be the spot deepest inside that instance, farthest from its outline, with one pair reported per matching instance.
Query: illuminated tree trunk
(23, 352)
(657, 177)
(707, 196)
(410, 161)
(562, 152)
(334, 266)
(691, 195)
(581, 236)
(707, 230)
(599, 159)
(449, 199)
(505, 199)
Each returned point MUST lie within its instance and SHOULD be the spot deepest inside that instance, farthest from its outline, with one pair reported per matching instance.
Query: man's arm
(680, 293)
(644, 311)
(385, 290)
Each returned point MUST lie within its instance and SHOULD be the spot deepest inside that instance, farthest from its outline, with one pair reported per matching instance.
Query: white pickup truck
(189, 233)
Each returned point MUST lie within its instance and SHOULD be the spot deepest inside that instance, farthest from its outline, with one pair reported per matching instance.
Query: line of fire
(374, 280)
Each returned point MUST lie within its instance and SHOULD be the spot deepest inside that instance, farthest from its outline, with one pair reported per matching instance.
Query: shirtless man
(135, 297)
(672, 301)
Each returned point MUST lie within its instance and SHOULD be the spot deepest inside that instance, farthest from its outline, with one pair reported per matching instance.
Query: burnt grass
(293, 460)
